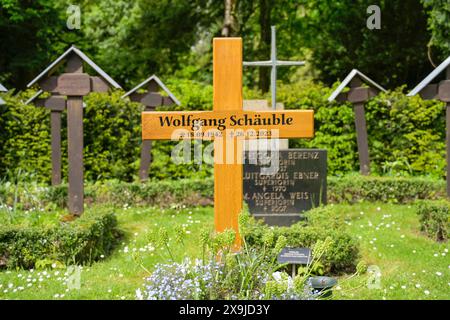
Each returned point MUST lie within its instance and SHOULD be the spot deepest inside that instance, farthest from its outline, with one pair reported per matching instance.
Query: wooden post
(75, 143)
(361, 137)
(56, 105)
(55, 131)
(445, 95)
(447, 140)
(146, 159)
(358, 95)
(227, 96)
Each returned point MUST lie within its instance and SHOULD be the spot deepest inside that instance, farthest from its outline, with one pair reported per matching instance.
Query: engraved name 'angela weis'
(196, 123)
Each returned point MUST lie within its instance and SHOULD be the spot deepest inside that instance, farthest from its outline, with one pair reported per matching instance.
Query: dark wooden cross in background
(358, 95)
(439, 91)
(73, 84)
(56, 104)
(151, 99)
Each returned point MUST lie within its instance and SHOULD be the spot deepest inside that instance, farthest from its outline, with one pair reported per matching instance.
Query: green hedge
(192, 192)
(320, 224)
(79, 242)
(356, 188)
(434, 218)
(406, 134)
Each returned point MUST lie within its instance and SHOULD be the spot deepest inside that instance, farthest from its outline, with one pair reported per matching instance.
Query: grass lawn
(118, 276)
(411, 265)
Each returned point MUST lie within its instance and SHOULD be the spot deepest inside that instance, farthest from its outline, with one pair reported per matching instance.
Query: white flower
(278, 276)
(426, 292)
(378, 209)
(439, 273)
(139, 295)
(418, 285)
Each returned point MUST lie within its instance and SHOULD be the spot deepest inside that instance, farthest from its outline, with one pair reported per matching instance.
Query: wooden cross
(226, 116)
(56, 104)
(358, 95)
(439, 91)
(150, 99)
(73, 84)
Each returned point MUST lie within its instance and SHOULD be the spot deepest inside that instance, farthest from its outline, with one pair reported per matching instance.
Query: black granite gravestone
(299, 184)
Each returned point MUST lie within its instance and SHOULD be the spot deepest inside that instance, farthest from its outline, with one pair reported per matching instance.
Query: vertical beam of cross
(273, 63)
(358, 95)
(447, 142)
(227, 96)
(55, 124)
(75, 142)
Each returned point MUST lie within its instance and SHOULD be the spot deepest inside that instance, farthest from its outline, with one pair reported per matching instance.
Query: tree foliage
(439, 25)
(394, 55)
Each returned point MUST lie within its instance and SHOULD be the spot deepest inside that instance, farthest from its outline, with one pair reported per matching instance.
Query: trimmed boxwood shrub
(434, 218)
(82, 241)
(192, 192)
(356, 188)
(321, 223)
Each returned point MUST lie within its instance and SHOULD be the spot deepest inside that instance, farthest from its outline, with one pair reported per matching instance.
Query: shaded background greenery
(133, 39)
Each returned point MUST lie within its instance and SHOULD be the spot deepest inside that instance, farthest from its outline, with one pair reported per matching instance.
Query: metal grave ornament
(273, 63)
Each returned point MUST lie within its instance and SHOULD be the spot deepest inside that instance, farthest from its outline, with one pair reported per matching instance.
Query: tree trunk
(264, 45)
(229, 24)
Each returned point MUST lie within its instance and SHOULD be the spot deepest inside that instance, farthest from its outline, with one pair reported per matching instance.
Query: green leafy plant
(434, 218)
